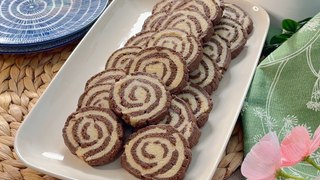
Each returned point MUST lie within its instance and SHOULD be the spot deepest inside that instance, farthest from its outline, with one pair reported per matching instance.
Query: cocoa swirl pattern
(168, 5)
(122, 58)
(105, 77)
(206, 75)
(140, 40)
(182, 119)
(235, 12)
(154, 22)
(199, 101)
(156, 152)
(141, 99)
(166, 64)
(94, 135)
(231, 31)
(218, 50)
(187, 45)
(97, 95)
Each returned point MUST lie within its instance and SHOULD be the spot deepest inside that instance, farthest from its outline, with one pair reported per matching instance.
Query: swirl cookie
(206, 75)
(154, 22)
(218, 50)
(235, 12)
(157, 152)
(166, 64)
(140, 40)
(187, 45)
(141, 99)
(182, 119)
(232, 32)
(105, 77)
(97, 96)
(199, 101)
(122, 58)
(94, 135)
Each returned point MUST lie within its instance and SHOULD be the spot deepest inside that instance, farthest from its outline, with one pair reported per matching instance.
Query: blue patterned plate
(35, 21)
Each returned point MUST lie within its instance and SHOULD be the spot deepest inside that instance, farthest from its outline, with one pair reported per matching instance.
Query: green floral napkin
(285, 93)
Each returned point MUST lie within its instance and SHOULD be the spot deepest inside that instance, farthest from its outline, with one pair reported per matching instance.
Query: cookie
(235, 12)
(94, 135)
(97, 96)
(199, 101)
(207, 75)
(157, 152)
(182, 119)
(190, 21)
(166, 64)
(105, 77)
(122, 58)
(140, 99)
(187, 45)
(218, 50)
(232, 32)
(209, 8)
(140, 40)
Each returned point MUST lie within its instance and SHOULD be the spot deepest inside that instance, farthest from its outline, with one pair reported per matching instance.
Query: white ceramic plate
(39, 141)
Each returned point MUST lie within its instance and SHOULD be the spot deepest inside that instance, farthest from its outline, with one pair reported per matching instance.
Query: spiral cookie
(182, 119)
(235, 12)
(94, 135)
(206, 75)
(141, 99)
(187, 45)
(199, 101)
(140, 40)
(166, 64)
(107, 76)
(122, 58)
(232, 31)
(97, 95)
(157, 152)
(218, 50)
(168, 5)
(154, 22)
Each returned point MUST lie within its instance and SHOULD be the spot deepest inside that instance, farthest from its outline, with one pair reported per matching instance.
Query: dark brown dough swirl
(97, 96)
(182, 119)
(199, 101)
(108, 76)
(165, 63)
(232, 32)
(94, 135)
(187, 45)
(157, 152)
(207, 75)
(218, 50)
(141, 99)
(122, 58)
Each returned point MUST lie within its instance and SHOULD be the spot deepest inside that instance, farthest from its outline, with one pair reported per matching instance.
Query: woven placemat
(23, 78)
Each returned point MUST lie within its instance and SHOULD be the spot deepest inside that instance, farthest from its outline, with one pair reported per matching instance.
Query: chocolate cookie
(187, 45)
(140, 40)
(154, 22)
(199, 101)
(207, 75)
(235, 12)
(218, 50)
(182, 119)
(165, 63)
(141, 99)
(94, 135)
(231, 31)
(122, 58)
(157, 152)
(105, 77)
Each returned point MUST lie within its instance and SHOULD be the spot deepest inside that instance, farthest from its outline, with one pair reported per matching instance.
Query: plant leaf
(278, 39)
(290, 25)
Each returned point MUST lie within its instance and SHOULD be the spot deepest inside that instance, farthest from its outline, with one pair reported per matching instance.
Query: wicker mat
(23, 78)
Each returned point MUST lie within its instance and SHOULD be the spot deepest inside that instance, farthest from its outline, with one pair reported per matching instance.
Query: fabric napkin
(285, 93)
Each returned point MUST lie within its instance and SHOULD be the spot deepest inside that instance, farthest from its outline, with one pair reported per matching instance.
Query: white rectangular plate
(39, 142)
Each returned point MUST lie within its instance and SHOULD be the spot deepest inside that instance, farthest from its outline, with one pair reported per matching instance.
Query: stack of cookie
(159, 84)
